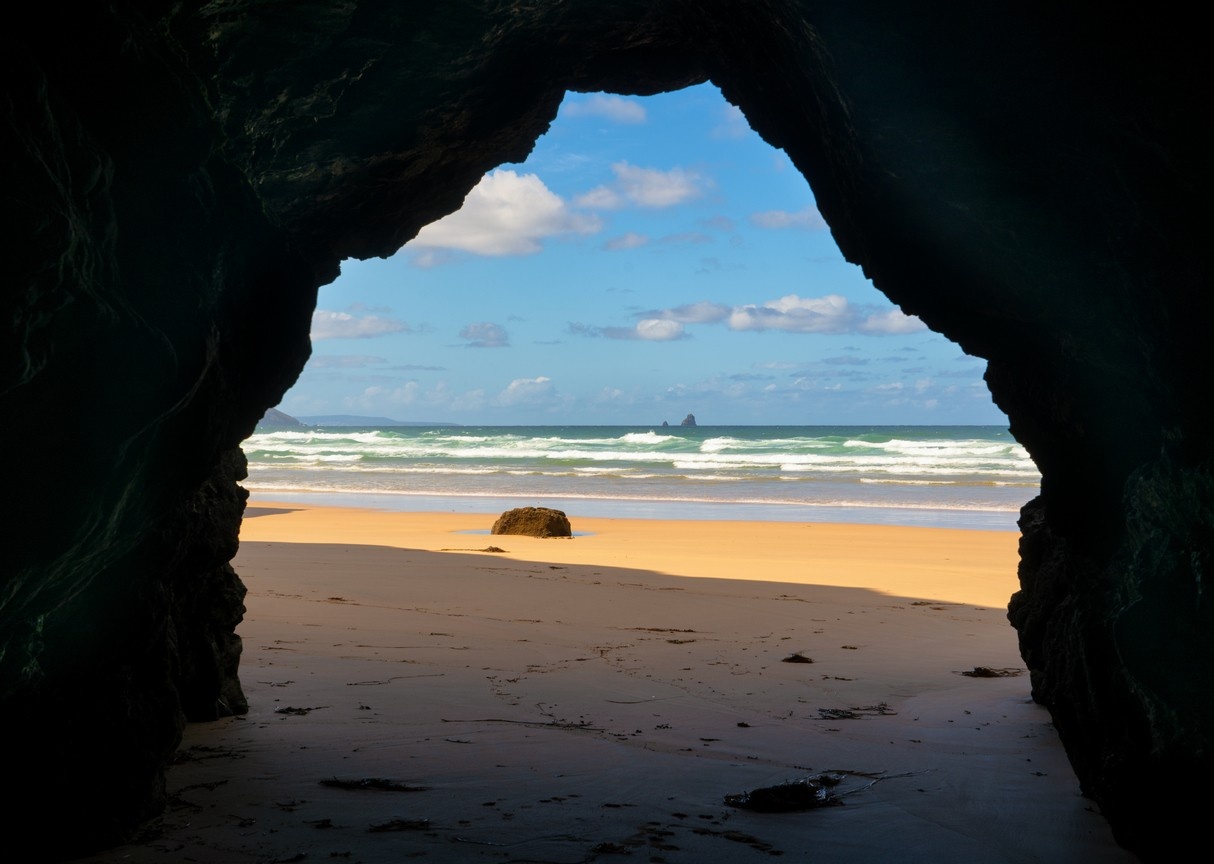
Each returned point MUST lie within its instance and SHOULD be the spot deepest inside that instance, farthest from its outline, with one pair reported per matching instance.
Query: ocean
(946, 476)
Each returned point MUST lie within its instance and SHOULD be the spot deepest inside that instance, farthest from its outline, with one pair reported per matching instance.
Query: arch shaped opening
(543, 675)
(652, 258)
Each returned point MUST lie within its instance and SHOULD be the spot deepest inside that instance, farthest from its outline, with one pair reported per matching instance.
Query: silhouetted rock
(689, 420)
(533, 522)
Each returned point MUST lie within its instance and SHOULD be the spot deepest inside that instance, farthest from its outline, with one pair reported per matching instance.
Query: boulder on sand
(533, 522)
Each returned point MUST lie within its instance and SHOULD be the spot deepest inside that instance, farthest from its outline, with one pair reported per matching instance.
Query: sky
(652, 258)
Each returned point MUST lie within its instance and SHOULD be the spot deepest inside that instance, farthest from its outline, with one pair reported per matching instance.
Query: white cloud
(703, 312)
(442, 398)
(505, 214)
(327, 324)
(631, 240)
(647, 330)
(600, 198)
(617, 109)
(659, 329)
(808, 218)
(644, 187)
(485, 334)
(830, 314)
(526, 391)
(648, 187)
(732, 123)
(612, 396)
(890, 321)
(432, 258)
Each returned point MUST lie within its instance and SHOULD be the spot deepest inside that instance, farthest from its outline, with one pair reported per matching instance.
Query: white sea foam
(646, 438)
(907, 468)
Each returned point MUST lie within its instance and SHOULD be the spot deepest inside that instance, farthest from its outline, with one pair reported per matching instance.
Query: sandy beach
(597, 698)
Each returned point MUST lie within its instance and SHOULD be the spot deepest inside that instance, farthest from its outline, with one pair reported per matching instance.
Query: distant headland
(275, 419)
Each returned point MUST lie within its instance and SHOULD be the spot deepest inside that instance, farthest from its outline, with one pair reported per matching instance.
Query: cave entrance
(547, 686)
(652, 259)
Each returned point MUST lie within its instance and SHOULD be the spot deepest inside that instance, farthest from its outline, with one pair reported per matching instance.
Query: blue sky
(652, 258)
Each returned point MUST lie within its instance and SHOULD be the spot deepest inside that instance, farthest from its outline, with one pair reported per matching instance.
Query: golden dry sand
(595, 699)
(977, 567)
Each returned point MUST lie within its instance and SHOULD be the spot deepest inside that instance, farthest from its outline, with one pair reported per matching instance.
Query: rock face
(533, 522)
(181, 177)
(275, 419)
(689, 420)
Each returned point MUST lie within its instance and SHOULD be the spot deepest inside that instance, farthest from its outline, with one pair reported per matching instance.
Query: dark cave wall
(183, 177)
(136, 357)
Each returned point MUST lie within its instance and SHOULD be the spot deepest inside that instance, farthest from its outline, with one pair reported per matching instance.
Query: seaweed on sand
(808, 794)
(375, 783)
(990, 672)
